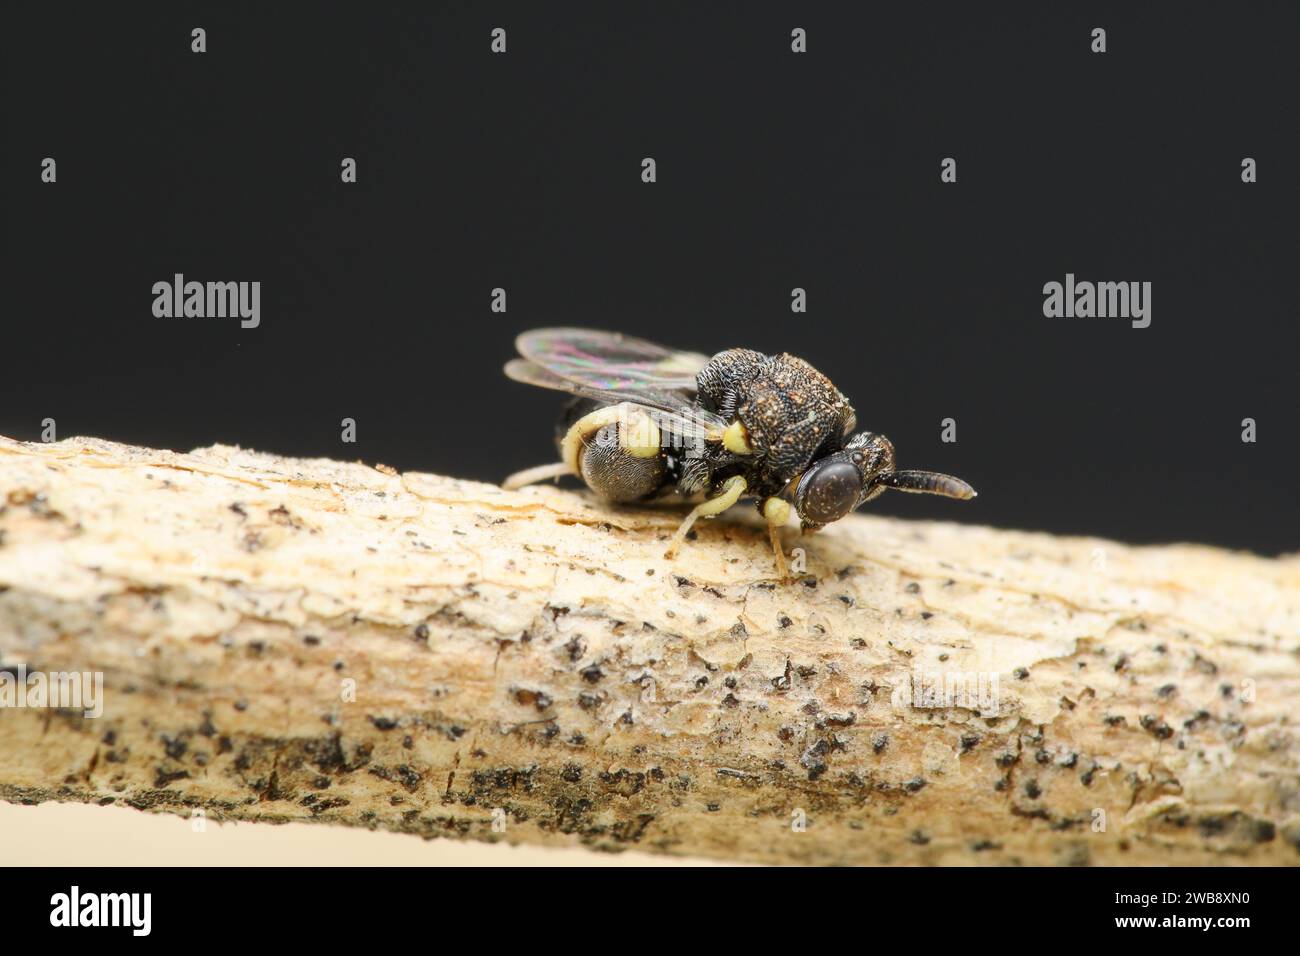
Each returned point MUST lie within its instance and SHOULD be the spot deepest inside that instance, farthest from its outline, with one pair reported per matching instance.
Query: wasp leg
(777, 513)
(530, 476)
(732, 489)
(637, 434)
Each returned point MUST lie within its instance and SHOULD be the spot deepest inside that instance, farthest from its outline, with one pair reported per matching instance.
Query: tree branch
(290, 639)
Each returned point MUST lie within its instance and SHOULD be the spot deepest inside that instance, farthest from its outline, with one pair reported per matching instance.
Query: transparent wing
(610, 367)
(610, 361)
(685, 426)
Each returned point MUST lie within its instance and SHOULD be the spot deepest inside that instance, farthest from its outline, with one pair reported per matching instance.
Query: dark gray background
(775, 171)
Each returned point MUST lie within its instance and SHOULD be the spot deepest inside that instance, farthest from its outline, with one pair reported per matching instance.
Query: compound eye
(829, 492)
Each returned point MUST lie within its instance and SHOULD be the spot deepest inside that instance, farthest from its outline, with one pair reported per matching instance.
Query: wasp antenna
(927, 483)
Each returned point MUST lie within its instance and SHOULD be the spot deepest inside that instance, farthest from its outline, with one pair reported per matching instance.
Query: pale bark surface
(291, 639)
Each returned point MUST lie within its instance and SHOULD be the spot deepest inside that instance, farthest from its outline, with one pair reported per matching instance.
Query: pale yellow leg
(732, 489)
(777, 513)
(530, 476)
(638, 435)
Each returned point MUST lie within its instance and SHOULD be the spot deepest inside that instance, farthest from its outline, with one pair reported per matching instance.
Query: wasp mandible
(648, 422)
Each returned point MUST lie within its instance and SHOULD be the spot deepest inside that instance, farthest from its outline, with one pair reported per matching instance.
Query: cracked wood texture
(313, 640)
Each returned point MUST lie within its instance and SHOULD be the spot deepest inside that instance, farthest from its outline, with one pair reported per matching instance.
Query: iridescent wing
(614, 363)
(613, 368)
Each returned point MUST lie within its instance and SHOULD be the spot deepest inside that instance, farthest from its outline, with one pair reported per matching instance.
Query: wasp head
(838, 483)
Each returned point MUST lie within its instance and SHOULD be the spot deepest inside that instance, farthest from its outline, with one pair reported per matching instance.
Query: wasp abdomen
(613, 473)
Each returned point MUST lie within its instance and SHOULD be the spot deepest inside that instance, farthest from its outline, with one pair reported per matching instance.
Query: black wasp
(648, 421)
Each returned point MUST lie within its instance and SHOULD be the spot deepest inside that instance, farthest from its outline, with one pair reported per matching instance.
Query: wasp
(648, 422)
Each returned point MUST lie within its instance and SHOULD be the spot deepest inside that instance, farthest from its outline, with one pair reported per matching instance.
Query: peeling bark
(312, 640)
